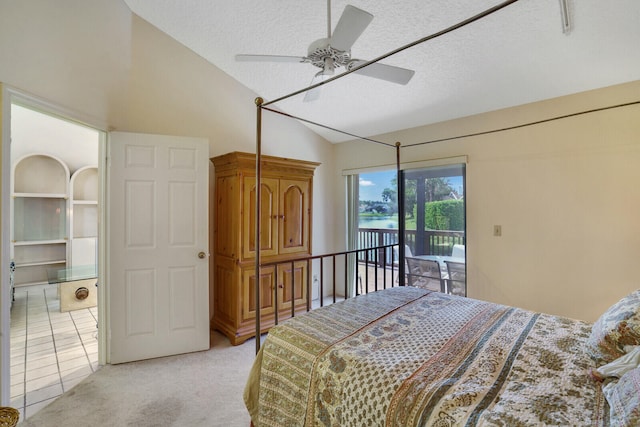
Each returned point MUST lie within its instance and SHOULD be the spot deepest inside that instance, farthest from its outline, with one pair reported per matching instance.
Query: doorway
(435, 226)
(53, 255)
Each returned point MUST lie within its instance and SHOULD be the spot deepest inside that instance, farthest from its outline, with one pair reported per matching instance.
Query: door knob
(202, 255)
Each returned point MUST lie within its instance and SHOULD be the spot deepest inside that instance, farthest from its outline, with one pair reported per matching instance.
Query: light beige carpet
(195, 389)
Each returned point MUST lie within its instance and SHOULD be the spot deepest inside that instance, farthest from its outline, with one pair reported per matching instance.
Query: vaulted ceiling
(516, 55)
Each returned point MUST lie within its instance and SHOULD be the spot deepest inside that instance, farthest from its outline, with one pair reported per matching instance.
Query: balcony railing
(434, 242)
(336, 272)
(370, 269)
(377, 273)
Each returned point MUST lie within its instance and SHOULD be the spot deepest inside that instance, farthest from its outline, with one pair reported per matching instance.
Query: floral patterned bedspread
(410, 357)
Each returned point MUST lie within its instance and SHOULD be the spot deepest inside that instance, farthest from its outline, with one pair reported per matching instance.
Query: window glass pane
(378, 202)
(377, 227)
(435, 222)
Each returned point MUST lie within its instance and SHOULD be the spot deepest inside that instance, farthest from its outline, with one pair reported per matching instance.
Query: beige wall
(112, 69)
(99, 63)
(566, 193)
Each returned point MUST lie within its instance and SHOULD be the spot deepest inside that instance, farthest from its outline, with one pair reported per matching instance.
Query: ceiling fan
(335, 51)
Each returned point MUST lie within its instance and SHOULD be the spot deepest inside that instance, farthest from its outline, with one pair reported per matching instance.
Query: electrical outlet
(497, 230)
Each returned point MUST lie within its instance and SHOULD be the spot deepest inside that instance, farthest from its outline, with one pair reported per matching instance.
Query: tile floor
(50, 351)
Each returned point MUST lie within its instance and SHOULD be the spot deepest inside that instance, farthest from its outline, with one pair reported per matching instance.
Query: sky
(372, 184)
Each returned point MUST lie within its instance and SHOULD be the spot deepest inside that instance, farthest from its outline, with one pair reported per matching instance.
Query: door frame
(9, 96)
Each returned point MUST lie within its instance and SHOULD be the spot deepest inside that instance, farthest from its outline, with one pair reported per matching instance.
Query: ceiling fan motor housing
(320, 50)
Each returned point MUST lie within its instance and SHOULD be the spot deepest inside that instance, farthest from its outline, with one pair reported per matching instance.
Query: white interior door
(157, 267)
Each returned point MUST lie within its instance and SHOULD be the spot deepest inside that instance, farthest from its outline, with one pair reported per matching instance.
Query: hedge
(444, 215)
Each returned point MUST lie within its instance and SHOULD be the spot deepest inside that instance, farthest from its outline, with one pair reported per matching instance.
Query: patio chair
(396, 254)
(396, 259)
(426, 274)
(458, 251)
(457, 281)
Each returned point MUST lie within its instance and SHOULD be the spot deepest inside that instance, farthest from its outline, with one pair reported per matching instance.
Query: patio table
(441, 260)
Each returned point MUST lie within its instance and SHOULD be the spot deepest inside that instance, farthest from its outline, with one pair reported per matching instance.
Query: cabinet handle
(281, 286)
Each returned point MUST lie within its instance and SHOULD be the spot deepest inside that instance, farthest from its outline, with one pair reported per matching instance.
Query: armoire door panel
(294, 207)
(285, 279)
(267, 286)
(268, 213)
(227, 221)
(225, 299)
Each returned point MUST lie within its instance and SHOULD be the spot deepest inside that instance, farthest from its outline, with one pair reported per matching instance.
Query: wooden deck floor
(371, 279)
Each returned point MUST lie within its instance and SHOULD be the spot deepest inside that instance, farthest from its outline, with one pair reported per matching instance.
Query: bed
(406, 356)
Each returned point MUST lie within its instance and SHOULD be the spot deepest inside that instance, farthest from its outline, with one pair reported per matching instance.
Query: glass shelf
(39, 218)
(71, 274)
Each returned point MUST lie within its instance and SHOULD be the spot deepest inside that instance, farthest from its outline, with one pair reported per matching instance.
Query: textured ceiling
(516, 55)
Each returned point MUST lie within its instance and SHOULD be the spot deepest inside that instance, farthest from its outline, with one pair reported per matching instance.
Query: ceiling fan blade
(383, 72)
(350, 26)
(270, 58)
(314, 94)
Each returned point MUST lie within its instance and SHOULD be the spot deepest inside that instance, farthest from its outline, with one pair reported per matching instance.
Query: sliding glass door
(434, 227)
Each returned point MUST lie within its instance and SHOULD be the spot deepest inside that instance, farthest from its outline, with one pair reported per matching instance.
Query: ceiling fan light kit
(334, 51)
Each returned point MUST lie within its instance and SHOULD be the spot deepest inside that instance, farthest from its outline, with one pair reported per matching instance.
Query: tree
(390, 195)
(437, 189)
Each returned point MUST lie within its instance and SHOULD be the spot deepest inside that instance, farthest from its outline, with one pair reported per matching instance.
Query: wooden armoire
(286, 200)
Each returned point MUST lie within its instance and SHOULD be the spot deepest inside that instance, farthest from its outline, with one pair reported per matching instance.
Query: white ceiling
(517, 55)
